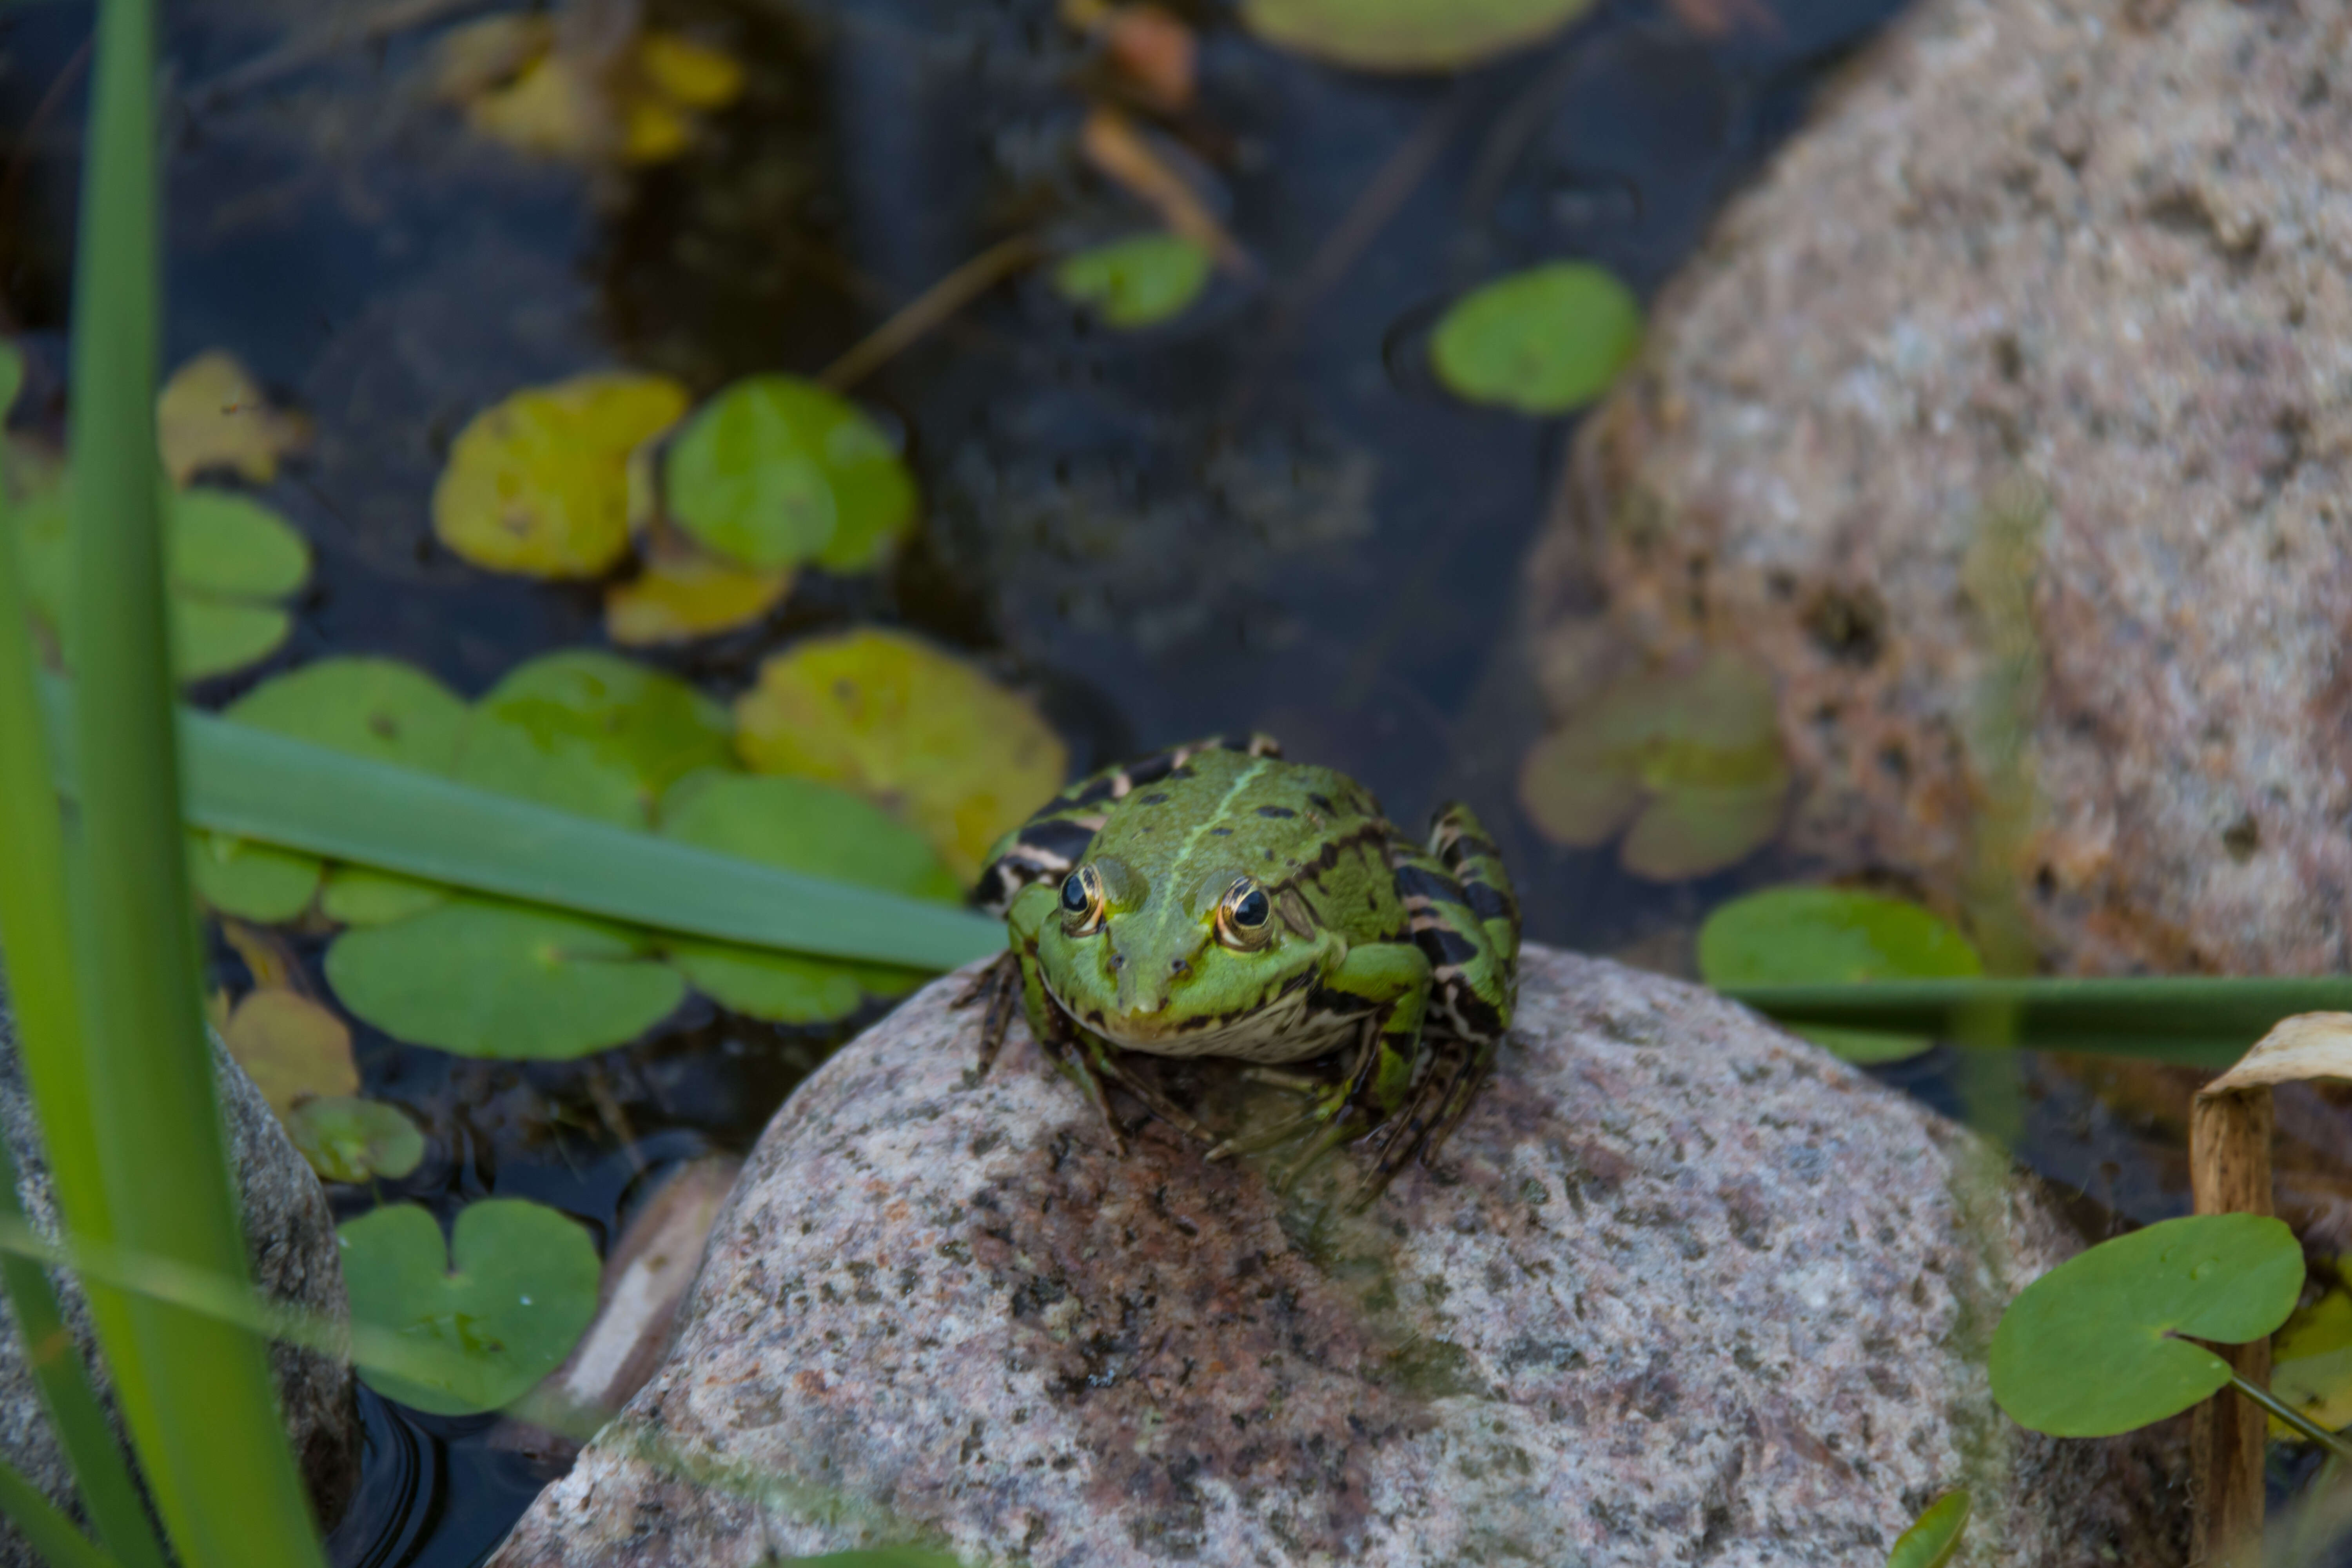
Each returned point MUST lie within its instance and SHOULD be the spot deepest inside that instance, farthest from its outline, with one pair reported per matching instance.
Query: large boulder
(290, 1243)
(2070, 283)
(1681, 1289)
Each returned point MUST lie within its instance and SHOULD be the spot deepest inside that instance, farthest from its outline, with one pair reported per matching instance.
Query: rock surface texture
(1682, 1288)
(2102, 248)
(291, 1239)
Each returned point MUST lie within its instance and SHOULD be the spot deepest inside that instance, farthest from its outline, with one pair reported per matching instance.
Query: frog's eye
(1241, 919)
(1250, 910)
(1074, 896)
(1082, 900)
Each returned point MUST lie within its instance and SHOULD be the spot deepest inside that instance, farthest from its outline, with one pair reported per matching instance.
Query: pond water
(1265, 514)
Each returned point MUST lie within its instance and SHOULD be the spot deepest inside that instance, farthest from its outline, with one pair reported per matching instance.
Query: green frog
(1216, 900)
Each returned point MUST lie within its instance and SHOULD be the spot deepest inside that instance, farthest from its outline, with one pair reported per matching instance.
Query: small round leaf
(374, 708)
(363, 896)
(775, 471)
(252, 881)
(2311, 1364)
(291, 1048)
(802, 825)
(592, 734)
(225, 545)
(350, 1140)
(1546, 340)
(502, 1304)
(1135, 282)
(2100, 1345)
(1935, 1536)
(483, 979)
(786, 987)
(1799, 936)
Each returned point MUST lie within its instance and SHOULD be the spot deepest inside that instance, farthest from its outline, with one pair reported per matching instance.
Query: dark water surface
(1261, 515)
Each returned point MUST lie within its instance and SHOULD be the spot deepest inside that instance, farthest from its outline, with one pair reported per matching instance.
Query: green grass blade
(45, 1526)
(205, 1419)
(260, 785)
(2201, 1020)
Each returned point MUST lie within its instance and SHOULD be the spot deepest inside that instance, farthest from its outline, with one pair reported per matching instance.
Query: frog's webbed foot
(998, 985)
(1160, 1105)
(1425, 1121)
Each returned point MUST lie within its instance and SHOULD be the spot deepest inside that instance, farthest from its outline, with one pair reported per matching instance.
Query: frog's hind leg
(1457, 1068)
(1466, 918)
(998, 984)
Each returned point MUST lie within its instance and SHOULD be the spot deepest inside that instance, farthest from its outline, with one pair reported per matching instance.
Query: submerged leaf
(347, 1139)
(505, 1298)
(775, 471)
(2101, 1344)
(291, 1048)
(213, 416)
(686, 593)
(1406, 34)
(379, 708)
(538, 483)
(1135, 282)
(594, 733)
(1801, 936)
(483, 979)
(922, 735)
(2311, 1364)
(1546, 340)
(252, 881)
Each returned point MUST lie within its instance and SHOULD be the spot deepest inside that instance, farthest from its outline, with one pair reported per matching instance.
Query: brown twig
(927, 310)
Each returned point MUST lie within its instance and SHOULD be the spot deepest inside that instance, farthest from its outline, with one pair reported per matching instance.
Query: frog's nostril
(1118, 961)
(1179, 966)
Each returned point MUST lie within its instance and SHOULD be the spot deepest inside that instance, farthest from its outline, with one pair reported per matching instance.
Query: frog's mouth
(1277, 1031)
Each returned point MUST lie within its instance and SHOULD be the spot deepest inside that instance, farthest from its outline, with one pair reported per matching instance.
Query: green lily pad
(252, 881)
(1546, 340)
(920, 733)
(786, 987)
(522, 1292)
(2311, 1364)
(1407, 35)
(363, 896)
(350, 1140)
(1800, 936)
(2100, 1345)
(483, 979)
(776, 470)
(1135, 282)
(592, 734)
(1687, 763)
(1935, 1536)
(379, 708)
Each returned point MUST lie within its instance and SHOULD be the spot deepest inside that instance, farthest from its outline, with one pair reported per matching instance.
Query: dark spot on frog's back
(1488, 903)
(1155, 798)
(1221, 833)
(1066, 840)
(1275, 811)
(1322, 803)
(1420, 882)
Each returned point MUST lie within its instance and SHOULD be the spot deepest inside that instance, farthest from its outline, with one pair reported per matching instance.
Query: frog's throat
(1284, 1030)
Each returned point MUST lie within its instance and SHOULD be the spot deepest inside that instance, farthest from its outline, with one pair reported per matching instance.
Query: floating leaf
(1406, 34)
(1799, 936)
(926, 736)
(521, 1292)
(575, 94)
(363, 896)
(213, 416)
(800, 827)
(594, 733)
(1143, 165)
(483, 979)
(1135, 282)
(2311, 1364)
(1936, 1535)
(538, 483)
(252, 881)
(1689, 761)
(684, 594)
(379, 708)
(1546, 340)
(291, 1048)
(776, 470)
(2100, 1345)
(350, 1140)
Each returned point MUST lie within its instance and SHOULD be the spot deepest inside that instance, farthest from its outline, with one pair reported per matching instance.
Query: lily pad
(1935, 1536)
(1689, 761)
(252, 881)
(786, 987)
(1407, 35)
(530, 84)
(291, 1048)
(1800, 936)
(347, 1139)
(922, 735)
(686, 593)
(1136, 283)
(2101, 1344)
(374, 708)
(1546, 340)
(365, 896)
(483, 979)
(212, 415)
(775, 471)
(538, 483)
(503, 1301)
(2311, 1364)
(592, 732)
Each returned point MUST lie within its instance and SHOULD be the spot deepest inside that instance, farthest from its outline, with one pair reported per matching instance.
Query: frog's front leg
(1388, 981)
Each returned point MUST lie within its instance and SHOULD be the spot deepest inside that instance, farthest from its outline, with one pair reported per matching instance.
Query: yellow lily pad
(291, 1048)
(538, 483)
(521, 85)
(1687, 764)
(211, 416)
(1407, 35)
(684, 594)
(918, 733)
(2311, 1364)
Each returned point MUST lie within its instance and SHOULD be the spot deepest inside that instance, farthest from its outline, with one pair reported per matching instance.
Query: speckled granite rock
(1682, 1288)
(2105, 245)
(290, 1236)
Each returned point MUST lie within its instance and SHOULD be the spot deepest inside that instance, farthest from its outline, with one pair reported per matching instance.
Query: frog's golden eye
(1242, 914)
(1082, 898)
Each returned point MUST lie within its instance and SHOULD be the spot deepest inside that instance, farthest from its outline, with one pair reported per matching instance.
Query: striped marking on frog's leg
(1457, 1068)
(1055, 837)
(1463, 847)
(1472, 959)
